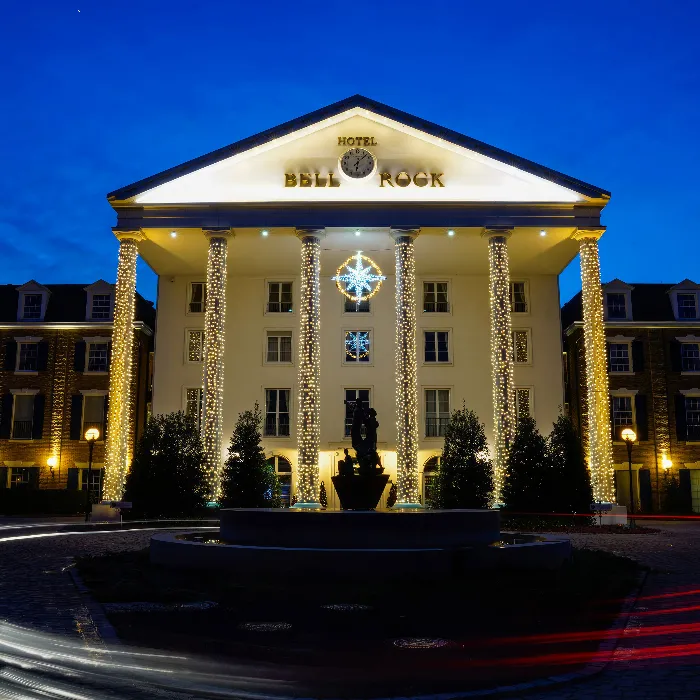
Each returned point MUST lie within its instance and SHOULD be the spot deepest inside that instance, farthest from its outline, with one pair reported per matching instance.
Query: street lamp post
(629, 436)
(91, 435)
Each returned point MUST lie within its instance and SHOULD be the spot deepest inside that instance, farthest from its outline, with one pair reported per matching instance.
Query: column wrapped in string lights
(503, 384)
(213, 358)
(599, 436)
(309, 414)
(407, 491)
(120, 367)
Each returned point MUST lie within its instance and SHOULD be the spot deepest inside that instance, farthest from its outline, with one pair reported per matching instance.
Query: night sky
(96, 95)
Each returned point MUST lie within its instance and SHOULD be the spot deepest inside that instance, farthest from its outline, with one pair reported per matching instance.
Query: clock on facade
(357, 163)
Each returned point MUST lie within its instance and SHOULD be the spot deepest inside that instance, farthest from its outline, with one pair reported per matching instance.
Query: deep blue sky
(96, 95)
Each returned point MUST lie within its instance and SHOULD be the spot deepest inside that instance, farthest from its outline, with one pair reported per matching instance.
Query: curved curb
(99, 618)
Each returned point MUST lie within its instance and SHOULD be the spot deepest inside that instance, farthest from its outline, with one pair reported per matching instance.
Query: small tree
(570, 483)
(529, 472)
(248, 480)
(465, 475)
(323, 495)
(167, 473)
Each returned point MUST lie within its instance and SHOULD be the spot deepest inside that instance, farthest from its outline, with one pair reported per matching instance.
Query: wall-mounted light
(543, 232)
(173, 234)
(357, 233)
(264, 232)
(451, 232)
(51, 462)
(666, 463)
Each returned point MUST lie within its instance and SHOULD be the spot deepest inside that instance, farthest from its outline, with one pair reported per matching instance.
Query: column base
(407, 506)
(308, 506)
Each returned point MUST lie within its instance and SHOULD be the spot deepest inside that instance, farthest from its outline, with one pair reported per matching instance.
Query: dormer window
(31, 306)
(617, 305)
(32, 301)
(101, 306)
(687, 306)
(99, 301)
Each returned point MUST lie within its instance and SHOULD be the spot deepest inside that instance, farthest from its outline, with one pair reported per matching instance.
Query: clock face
(357, 163)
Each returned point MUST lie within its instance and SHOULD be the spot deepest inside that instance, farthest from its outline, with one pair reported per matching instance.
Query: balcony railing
(435, 427)
(22, 430)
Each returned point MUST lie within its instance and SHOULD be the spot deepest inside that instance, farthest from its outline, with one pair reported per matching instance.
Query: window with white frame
(283, 469)
(436, 346)
(94, 478)
(97, 356)
(616, 305)
(435, 298)
(690, 357)
(518, 297)
(521, 347)
(195, 345)
(430, 469)
(27, 356)
(279, 297)
(279, 347)
(619, 357)
(19, 477)
(101, 306)
(194, 400)
(357, 346)
(523, 402)
(353, 307)
(23, 417)
(32, 306)
(692, 417)
(622, 414)
(352, 397)
(437, 412)
(197, 297)
(94, 415)
(277, 412)
(687, 304)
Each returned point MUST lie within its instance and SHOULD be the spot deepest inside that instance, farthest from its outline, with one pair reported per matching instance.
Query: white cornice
(71, 326)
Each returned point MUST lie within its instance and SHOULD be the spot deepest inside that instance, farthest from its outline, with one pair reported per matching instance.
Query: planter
(360, 492)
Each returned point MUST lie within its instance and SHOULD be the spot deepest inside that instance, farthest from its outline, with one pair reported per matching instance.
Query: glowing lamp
(357, 233)
(451, 232)
(628, 435)
(264, 232)
(173, 234)
(52, 461)
(92, 434)
(666, 463)
(543, 233)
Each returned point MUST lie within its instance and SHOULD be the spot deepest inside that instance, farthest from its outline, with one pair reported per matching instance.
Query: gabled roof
(358, 101)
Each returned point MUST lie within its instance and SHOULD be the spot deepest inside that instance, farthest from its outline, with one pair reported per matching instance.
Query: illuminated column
(599, 434)
(309, 414)
(213, 358)
(503, 385)
(406, 369)
(120, 367)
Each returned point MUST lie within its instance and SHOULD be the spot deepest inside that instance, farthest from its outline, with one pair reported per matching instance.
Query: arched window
(283, 469)
(429, 474)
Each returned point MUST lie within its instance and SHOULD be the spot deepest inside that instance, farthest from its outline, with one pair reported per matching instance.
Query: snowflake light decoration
(357, 344)
(356, 283)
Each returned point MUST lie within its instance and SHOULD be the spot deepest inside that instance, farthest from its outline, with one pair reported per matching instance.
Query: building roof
(357, 101)
(67, 303)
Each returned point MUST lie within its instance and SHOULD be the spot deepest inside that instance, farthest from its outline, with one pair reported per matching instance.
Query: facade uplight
(451, 232)
(543, 232)
(264, 232)
(173, 234)
(357, 233)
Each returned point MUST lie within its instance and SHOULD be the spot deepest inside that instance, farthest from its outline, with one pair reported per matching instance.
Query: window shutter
(640, 409)
(76, 416)
(11, 355)
(686, 491)
(645, 490)
(42, 356)
(34, 477)
(3, 477)
(6, 417)
(79, 361)
(72, 479)
(676, 365)
(637, 355)
(38, 422)
(681, 426)
(105, 410)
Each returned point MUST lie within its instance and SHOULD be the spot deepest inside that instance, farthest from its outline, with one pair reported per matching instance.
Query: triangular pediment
(685, 284)
(414, 161)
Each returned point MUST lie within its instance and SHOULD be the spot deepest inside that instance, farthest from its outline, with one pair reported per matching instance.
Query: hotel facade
(358, 253)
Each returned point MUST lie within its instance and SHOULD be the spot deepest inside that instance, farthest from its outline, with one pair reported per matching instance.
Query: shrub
(570, 485)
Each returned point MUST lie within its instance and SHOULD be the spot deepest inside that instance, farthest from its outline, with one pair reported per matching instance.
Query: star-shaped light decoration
(357, 283)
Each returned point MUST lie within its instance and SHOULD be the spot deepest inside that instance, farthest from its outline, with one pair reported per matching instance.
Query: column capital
(216, 232)
(492, 231)
(123, 234)
(302, 233)
(411, 232)
(581, 234)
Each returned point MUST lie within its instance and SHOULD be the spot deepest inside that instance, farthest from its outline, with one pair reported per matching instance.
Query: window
(93, 415)
(687, 306)
(194, 400)
(352, 396)
(279, 297)
(435, 297)
(351, 307)
(283, 469)
(692, 417)
(197, 297)
(521, 347)
(19, 477)
(101, 306)
(195, 345)
(436, 346)
(690, 357)
(429, 477)
(23, 417)
(622, 415)
(97, 357)
(31, 306)
(437, 412)
(616, 303)
(279, 347)
(518, 298)
(28, 357)
(357, 346)
(95, 482)
(277, 412)
(619, 354)
(523, 402)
